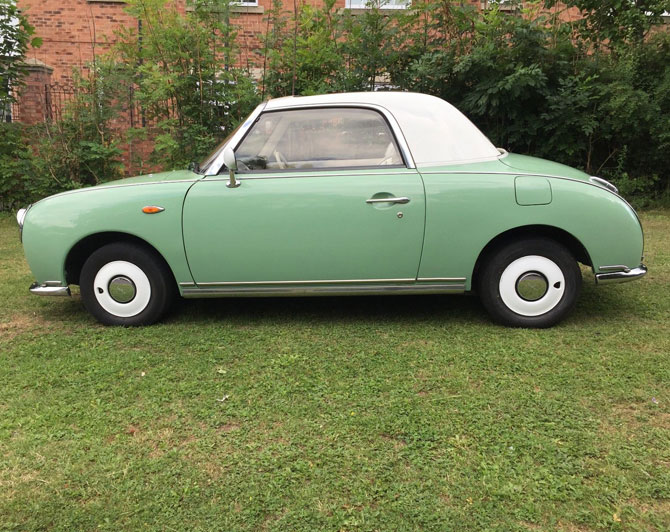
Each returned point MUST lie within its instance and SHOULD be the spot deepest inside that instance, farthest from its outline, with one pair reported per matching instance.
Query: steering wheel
(281, 160)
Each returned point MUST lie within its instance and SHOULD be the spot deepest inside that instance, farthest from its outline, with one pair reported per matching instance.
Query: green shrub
(16, 166)
(81, 147)
(594, 95)
(181, 67)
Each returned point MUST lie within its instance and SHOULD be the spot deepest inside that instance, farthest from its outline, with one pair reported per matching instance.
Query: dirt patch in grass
(636, 416)
(17, 325)
(228, 427)
(14, 480)
(571, 527)
(643, 510)
(531, 526)
(398, 443)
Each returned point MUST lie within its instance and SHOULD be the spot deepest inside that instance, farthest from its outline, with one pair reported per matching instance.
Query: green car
(340, 194)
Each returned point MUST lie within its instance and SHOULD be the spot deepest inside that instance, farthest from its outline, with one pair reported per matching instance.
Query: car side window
(318, 138)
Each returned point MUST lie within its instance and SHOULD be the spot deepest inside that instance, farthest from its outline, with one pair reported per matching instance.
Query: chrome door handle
(402, 200)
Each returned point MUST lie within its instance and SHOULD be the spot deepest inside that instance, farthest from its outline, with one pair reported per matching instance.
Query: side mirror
(231, 163)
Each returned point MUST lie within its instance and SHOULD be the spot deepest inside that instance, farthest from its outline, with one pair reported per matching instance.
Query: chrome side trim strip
(621, 276)
(350, 290)
(300, 283)
(468, 172)
(327, 282)
(50, 288)
(441, 279)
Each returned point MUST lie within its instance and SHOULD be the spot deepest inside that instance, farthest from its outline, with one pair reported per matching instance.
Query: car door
(325, 196)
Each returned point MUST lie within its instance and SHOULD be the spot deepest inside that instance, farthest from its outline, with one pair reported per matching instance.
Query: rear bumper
(50, 288)
(628, 274)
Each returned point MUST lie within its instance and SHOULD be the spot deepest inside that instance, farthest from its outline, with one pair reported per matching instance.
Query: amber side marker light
(152, 209)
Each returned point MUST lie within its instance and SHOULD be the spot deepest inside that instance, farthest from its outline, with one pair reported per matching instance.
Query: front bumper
(50, 288)
(622, 276)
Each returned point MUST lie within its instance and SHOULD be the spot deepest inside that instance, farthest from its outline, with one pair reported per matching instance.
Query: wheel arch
(557, 234)
(78, 254)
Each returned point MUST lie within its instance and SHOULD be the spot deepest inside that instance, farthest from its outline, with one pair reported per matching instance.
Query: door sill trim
(327, 282)
(324, 289)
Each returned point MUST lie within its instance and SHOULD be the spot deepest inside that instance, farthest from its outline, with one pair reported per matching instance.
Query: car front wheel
(126, 284)
(531, 283)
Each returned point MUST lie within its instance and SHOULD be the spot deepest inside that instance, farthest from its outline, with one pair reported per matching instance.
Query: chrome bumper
(621, 276)
(50, 288)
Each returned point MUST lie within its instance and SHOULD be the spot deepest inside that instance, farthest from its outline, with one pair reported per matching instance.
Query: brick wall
(74, 31)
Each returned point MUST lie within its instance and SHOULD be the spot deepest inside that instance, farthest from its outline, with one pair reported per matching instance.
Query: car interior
(318, 138)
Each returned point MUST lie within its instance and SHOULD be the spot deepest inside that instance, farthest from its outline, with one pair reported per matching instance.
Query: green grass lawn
(389, 413)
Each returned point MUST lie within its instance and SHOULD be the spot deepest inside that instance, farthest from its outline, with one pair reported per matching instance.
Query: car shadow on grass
(594, 305)
(420, 309)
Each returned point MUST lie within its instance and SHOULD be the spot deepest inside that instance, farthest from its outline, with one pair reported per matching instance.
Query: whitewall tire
(126, 284)
(531, 283)
(108, 289)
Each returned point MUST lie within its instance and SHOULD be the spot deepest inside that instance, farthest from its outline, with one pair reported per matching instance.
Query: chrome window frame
(397, 133)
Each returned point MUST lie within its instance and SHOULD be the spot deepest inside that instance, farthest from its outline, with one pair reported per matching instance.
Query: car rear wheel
(532, 283)
(126, 284)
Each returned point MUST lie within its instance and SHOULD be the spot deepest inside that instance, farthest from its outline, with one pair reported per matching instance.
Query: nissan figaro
(339, 194)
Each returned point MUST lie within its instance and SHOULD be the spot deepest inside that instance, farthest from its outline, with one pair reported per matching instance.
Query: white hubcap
(122, 289)
(535, 275)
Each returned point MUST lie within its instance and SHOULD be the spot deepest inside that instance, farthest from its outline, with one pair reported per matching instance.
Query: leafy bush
(593, 94)
(181, 68)
(16, 34)
(16, 166)
(82, 146)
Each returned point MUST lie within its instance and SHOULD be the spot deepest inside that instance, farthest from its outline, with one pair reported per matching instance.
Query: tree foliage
(16, 35)
(181, 68)
(594, 93)
(595, 98)
(82, 147)
(616, 23)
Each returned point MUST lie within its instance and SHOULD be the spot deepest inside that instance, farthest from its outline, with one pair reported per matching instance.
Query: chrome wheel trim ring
(523, 267)
(532, 286)
(116, 270)
(122, 289)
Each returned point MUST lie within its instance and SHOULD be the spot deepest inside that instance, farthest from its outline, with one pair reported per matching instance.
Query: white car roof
(437, 133)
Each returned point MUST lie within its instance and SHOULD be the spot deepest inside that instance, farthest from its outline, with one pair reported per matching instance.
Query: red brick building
(74, 31)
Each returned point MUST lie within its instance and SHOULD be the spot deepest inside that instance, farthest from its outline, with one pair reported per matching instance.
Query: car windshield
(207, 162)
